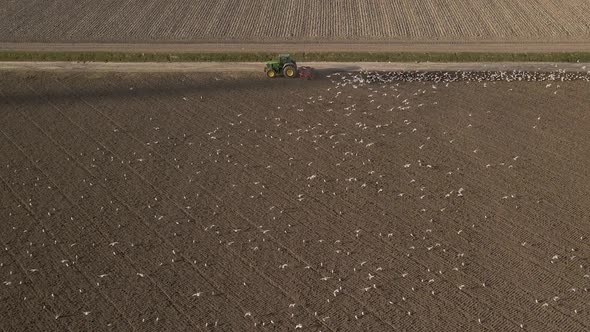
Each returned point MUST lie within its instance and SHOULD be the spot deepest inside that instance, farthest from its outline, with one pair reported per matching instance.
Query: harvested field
(293, 20)
(233, 203)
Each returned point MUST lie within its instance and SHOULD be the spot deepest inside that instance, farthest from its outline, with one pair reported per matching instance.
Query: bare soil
(195, 201)
(224, 46)
(288, 21)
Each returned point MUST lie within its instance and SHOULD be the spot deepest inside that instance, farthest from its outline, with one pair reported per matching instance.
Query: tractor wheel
(271, 73)
(290, 71)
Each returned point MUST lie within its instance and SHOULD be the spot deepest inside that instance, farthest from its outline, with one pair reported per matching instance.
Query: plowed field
(278, 22)
(198, 202)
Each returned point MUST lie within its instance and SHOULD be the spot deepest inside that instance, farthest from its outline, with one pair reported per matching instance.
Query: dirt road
(256, 67)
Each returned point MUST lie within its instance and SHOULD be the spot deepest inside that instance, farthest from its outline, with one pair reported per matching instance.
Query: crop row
(277, 20)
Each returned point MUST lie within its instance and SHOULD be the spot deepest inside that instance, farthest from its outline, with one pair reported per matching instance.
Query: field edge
(300, 56)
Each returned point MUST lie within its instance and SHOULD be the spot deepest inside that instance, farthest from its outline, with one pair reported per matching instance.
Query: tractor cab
(283, 65)
(286, 58)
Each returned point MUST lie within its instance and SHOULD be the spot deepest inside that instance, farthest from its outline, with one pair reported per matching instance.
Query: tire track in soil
(492, 147)
(244, 98)
(498, 143)
(98, 229)
(39, 128)
(448, 129)
(55, 315)
(154, 189)
(47, 276)
(190, 261)
(114, 122)
(5, 309)
(148, 182)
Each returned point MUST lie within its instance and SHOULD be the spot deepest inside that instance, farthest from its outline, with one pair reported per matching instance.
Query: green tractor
(284, 65)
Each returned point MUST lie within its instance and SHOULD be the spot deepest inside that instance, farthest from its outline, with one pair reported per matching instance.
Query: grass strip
(313, 56)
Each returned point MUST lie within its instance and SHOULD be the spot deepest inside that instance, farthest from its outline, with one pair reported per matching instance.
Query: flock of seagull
(560, 75)
(333, 144)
